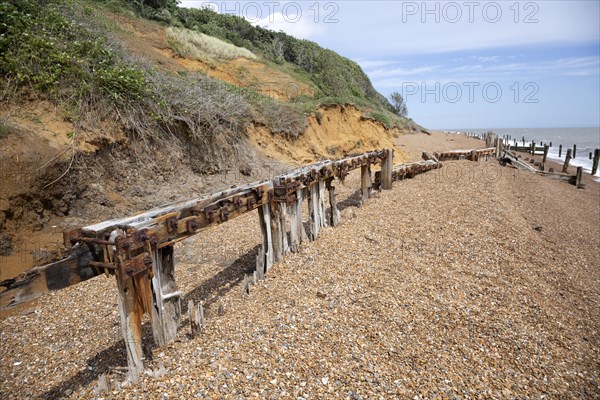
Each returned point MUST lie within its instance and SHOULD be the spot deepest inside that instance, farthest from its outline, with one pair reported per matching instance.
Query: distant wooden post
(166, 308)
(559, 150)
(590, 155)
(365, 182)
(550, 144)
(546, 148)
(264, 258)
(567, 160)
(387, 166)
(334, 215)
(523, 141)
(532, 147)
(574, 150)
(595, 162)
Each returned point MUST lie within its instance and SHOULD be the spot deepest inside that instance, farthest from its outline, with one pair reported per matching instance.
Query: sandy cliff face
(334, 132)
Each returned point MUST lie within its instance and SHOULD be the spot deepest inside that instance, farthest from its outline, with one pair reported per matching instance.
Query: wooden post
(523, 141)
(595, 162)
(559, 150)
(264, 258)
(590, 155)
(498, 146)
(532, 147)
(365, 182)
(387, 166)
(567, 159)
(297, 232)
(277, 231)
(334, 215)
(321, 203)
(314, 210)
(574, 150)
(196, 317)
(546, 148)
(166, 307)
(550, 144)
(131, 311)
(578, 176)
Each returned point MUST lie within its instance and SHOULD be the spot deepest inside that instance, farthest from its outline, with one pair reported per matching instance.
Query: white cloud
(395, 33)
(367, 64)
(383, 73)
(302, 28)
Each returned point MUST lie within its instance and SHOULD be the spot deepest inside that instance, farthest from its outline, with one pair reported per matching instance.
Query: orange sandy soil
(148, 39)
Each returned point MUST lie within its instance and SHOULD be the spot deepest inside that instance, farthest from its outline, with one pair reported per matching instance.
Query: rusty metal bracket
(69, 236)
(209, 211)
(191, 225)
(134, 266)
(250, 202)
(224, 213)
(172, 224)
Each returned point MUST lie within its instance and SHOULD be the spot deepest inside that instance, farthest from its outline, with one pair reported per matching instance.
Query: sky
(458, 64)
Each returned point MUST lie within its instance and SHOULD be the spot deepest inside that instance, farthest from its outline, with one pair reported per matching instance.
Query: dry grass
(199, 46)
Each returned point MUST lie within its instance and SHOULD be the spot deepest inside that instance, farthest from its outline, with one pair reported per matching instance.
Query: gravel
(472, 281)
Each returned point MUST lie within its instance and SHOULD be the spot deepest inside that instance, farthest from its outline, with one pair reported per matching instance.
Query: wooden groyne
(139, 250)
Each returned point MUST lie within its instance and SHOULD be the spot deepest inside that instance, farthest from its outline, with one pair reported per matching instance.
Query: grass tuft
(199, 46)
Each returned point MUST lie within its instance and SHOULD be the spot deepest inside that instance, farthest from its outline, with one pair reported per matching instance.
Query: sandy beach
(471, 281)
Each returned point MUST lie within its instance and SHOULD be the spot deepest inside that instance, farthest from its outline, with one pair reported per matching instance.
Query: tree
(398, 104)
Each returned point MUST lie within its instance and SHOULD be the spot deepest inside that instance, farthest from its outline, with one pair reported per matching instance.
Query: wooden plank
(170, 228)
(44, 279)
(166, 307)
(179, 207)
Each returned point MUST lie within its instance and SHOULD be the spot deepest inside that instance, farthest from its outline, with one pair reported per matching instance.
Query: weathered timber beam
(463, 154)
(170, 228)
(180, 207)
(408, 170)
(44, 279)
(343, 166)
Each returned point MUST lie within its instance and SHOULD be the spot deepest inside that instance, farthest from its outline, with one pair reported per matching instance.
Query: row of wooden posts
(512, 144)
(139, 250)
(533, 149)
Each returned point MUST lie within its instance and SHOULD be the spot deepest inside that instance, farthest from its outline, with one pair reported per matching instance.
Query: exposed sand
(475, 280)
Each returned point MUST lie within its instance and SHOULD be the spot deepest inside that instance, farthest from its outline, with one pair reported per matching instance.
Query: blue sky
(463, 64)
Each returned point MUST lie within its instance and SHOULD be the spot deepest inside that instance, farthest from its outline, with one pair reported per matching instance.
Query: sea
(586, 139)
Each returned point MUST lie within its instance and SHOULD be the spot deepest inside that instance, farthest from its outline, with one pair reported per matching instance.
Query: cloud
(383, 73)
(395, 33)
(367, 64)
(295, 25)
